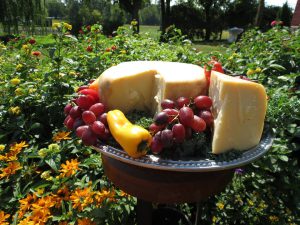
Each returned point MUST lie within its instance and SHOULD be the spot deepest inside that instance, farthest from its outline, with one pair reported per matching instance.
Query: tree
(28, 12)
(55, 8)
(133, 7)
(165, 8)
(286, 14)
(259, 13)
(212, 9)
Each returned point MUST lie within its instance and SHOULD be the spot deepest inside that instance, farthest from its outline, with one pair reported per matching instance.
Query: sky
(291, 3)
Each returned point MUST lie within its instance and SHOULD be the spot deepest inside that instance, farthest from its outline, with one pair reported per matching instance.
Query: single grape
(75, 112)
(90, 92)
(156, 146)
(161, 118)
(97, 109)
(207, 117)
(167, 104)
(158, 135)
(182, 101)
(105, 136)
(89, 137)
(203, 102)
(154, 128)
(172, 113)
(198, 124)
(67, 108)
(186, 116)
(80, 130)
(77, 123)
(98, 127)
(66, 120)
(167, 138)
(178, 132)
(85, 101)
(88, 117)
(103, 118)
(70, 123)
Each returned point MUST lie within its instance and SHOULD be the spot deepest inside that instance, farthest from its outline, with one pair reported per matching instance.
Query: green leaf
(52, 164)
(72, 37)
(284, 158)
(277, 67)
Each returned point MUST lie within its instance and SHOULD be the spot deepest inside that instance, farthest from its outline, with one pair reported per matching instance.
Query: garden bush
(49, 177)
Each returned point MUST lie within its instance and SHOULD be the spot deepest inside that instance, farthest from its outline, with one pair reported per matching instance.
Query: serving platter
(202, 165)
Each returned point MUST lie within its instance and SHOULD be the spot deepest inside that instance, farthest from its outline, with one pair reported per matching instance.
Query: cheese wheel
(239, 109)
(142, 85)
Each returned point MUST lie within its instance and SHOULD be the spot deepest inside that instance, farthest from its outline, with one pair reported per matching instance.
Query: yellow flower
(67, 26)
(123, 51)
(17, 147)
(2, 147)
(15, 81)
(134, 23)
(81, 198)
(55, 26)
(19, 67)
(61, 136)
(72, 73)
(273, 218)
(251, 203)
(11, 169)
(85, 221)
(258, 70)
(220, 205)
(214, 219)
(31, 90)
(70, 168)
(15, 110)
(250, 72)
(3, 218)
(46, 175)
(19, 91)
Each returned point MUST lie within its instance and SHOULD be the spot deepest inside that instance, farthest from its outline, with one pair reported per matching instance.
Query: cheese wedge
(142, 85)
(239, 109)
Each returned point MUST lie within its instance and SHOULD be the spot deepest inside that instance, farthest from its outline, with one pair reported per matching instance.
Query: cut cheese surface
(141, 85)
(239, 109)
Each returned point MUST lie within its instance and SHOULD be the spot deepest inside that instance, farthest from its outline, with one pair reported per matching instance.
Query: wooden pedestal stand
(161, 186)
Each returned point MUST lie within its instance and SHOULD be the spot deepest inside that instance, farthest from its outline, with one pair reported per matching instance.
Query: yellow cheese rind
(142, 85)
(239, 109)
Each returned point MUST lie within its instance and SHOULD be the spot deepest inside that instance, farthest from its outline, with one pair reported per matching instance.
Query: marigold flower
(81, 198)
(85, 221)
(2, 147)
(15, 110)
(3, 218)
(63, 194)
(70, 168)
(19, 67)
(17, 147)
(11, 169)
(258, 70)
(220, 205)
(67, 26)
(63, 135)
(55, 26)
(36, 53)
(19, 91)
(15, 81)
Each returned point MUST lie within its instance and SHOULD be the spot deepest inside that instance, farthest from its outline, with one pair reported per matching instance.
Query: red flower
(273, 23)
(36, 53)
(88, 27)
(107, 50)
(113, 47)
(89, 48)
(81, 31)
(32, 41)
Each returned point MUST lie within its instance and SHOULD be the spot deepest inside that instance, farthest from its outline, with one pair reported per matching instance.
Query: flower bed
(48, 176)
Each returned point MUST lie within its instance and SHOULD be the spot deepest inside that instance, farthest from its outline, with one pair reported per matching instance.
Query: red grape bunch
(178, 120)
(87, 117)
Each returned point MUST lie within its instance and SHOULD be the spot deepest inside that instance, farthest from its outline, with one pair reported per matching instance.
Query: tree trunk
(208, 24)
(135, 15)
(259, 13)
(168, 9)
(163, 15)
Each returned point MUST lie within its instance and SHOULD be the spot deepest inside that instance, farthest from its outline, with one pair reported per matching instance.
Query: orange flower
(26, 221)
(17, 147)
(69, 168)
(61, 136)
(85, 221)
(3, 218)
(100, 196)
(62, 194)
(11, 169)
(81, 198)
(25, 204)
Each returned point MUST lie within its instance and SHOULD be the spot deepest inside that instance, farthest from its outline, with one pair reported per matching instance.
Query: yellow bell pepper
(134, 139)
